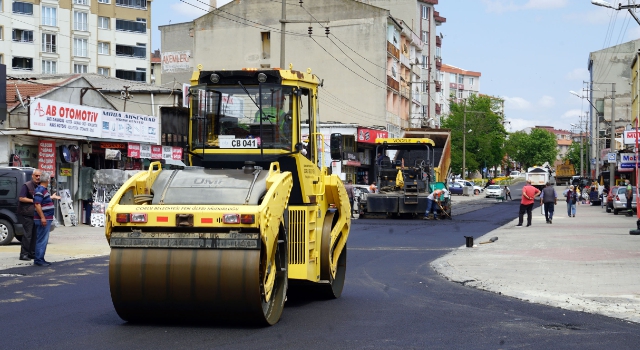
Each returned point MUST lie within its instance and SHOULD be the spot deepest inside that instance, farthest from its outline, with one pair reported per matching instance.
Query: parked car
(360, 193)
(608, 201)
(11, 181)
(516, 173)
(619, 201)
(455, 188)
(493, 191)
(474, 189)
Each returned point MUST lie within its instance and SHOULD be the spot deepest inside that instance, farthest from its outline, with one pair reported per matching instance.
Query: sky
(531, 53)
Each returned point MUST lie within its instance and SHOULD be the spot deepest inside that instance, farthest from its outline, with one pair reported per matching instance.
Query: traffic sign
(611, 157)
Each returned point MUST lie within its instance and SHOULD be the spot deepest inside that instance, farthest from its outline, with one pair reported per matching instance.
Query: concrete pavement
(584, 263)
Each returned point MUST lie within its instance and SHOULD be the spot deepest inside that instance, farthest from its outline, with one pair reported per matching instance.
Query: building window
(460, 79)
(1, 58)
(425, 37)
(1, 28)
(452, 77)
(139, 4)
(49, 67)
(23, 36)
(80, 47)
(80, 68)
(425, 12)
(440, 77)
(103, 48)
(80, 20)
(22, 63)
(131, 51)
(140, 74)
(22, 8)
(81, 2)
(438, 52)
(460, 93)
(103, 22)
(425, 61)
(131, 26)
(104, 1)
(103, 71)
(470, 81)
(49, 17)
(425, 86)
(49, 43)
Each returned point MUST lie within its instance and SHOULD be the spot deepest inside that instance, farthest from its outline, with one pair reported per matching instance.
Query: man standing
(432, 205)
(549, 198)
(43, 217)
(349, 188)
(526, 203)
(25, 216)
(629, 194)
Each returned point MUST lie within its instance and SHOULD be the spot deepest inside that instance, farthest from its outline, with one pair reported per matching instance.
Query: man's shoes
(528, 225)
(550, 221)
(25, 257)
(574, 215)
(519, 225)
(31, 256)
(44, 263)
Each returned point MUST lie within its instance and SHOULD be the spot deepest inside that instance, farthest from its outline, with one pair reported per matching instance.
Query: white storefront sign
(130, 126)
(65, 118)
(630, 137)
(176, 61)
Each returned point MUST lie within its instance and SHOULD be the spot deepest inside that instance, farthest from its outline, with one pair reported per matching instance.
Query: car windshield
(494, 187)
(623, 190)
(227, 117)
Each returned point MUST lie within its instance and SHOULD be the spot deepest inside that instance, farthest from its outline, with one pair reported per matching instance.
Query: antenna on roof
(19, 96)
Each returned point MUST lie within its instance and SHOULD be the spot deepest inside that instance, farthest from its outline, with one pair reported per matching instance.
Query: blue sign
(627, 165)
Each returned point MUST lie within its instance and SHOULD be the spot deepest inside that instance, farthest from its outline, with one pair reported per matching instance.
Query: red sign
(134, 150)
(156, 152)
(371, 135)
(47, 156)
(176, 153)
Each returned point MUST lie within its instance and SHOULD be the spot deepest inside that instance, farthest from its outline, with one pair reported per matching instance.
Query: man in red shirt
(526, 204)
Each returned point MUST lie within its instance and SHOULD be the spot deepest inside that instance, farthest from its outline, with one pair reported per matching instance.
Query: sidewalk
(588, 263)
(65, 243)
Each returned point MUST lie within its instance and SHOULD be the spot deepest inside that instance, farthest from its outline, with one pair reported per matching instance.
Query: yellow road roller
(220, 239)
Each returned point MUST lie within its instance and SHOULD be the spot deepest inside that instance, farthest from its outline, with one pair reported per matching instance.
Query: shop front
(366, 156)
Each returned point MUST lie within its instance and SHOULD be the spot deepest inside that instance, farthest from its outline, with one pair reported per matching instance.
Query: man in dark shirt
(25, 216)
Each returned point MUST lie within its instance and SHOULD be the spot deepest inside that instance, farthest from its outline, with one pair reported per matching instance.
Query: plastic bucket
(469, 241)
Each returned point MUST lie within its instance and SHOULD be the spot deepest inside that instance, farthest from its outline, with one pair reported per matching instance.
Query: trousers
(525, 208)
(42, 240)
(549, 208)
(28, 243)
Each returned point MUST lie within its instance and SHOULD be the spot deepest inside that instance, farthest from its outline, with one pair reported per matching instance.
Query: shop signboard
(156, 152)
(133, 150)
(370, 135)
(627, 161)
(129, 126)
(145, 151)
(64, 118)
(176, 153)
(167, 152)
(47, 156)
(65, 171)
(630, 137)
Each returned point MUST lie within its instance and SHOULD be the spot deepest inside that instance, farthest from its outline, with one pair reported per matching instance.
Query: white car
(493, 191)
(515, 174)
(476, 189)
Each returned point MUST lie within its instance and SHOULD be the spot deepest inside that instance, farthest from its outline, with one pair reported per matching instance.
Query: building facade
(457, 84)
(369, 59)
(107, 37)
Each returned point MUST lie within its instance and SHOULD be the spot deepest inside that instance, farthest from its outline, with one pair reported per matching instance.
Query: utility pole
(125, 95)
(612, 166)
(282, 29)
(464, 141)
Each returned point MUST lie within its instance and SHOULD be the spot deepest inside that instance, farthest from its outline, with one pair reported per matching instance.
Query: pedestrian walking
(432, 205)
(44, 210)
(526, 203)
(548, 199)
(349, 188)
(629, 194)
(572, 199)
(26, 209)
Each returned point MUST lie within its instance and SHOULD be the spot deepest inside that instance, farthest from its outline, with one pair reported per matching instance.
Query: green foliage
(485, 142)
(532, 149)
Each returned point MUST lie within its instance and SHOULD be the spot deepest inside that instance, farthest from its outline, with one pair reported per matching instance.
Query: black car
(11, 181)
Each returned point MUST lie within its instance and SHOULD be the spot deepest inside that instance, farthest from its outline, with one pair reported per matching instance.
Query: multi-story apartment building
(371, 61)
(457, 84)
(108, 37)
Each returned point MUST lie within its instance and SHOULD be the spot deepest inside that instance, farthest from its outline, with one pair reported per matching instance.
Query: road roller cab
(221, 238)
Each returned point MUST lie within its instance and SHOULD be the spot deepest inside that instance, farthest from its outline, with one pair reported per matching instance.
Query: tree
(535, 148)
(485, 142)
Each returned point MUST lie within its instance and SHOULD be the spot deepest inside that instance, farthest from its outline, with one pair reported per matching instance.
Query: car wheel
(6, 232)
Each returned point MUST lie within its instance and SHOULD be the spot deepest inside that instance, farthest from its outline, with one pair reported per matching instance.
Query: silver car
(493, 191)
(620, 200)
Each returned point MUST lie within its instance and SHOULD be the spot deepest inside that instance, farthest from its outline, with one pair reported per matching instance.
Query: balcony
(438, 86)
(393, 84)
(438, 41)
(438, 63)
(393, 51)
(438, 108)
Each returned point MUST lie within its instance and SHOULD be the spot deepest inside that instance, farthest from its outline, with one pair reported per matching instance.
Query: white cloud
(580, 74)
(500, 6)
(517, 103)
(572, 113)
(547, 101)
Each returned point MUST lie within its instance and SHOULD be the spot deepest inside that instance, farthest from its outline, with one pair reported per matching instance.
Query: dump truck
(539, 176)
(564, 173)
(404, 174)
(255, 212)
